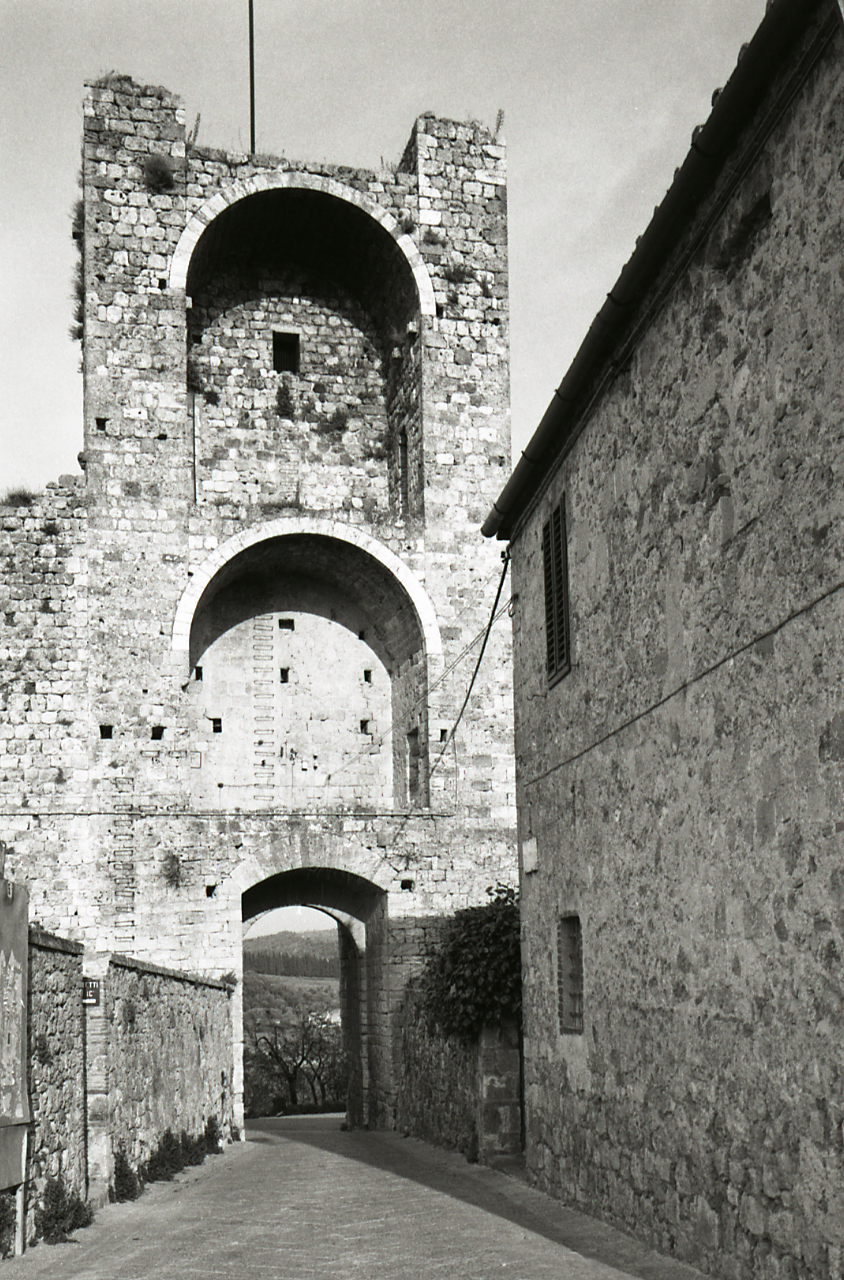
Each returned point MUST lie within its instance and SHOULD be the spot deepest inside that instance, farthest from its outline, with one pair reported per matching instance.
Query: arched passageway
(364, 968)
(308, 654)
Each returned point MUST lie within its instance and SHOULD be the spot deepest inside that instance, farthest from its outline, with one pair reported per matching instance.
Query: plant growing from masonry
(473, 973)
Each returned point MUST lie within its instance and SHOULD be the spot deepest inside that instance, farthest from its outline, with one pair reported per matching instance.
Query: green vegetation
(294, 1057)
(60, 1213)
(473, 973)
(170, 1156)
(18, 498)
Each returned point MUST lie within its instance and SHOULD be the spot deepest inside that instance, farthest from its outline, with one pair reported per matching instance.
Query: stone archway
(311, 649)
(364, 996)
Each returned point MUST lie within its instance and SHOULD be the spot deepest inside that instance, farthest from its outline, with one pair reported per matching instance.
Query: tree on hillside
(283, 1060)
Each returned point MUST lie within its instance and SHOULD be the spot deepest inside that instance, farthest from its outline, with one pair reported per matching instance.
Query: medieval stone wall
(56, 1055)
(338, 486)
(684, 782)
(159, 1058)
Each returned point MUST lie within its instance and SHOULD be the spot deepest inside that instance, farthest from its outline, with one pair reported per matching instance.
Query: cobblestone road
(305, 1201)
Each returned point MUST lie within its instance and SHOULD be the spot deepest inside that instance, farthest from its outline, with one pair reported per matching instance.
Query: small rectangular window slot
(570, 974)
(210, 890)
(216, 724)
(413, 778)
(285, 352)
(361, 635)
(367, 676)
(157, 732)
(284, 675)
(106, 730)
(364, 726)
(287, 624)
(408, 885)
(197, 673)
(443, 735)
(162, 282)
(101, 423)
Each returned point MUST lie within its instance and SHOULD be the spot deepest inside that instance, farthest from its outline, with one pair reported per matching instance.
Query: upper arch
(211, 566)
(278, 180)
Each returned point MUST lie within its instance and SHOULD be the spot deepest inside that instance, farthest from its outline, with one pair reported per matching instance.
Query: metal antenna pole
(251, 79)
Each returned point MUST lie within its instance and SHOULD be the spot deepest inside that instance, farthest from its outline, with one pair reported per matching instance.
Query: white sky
(600, 98)
(290, 920)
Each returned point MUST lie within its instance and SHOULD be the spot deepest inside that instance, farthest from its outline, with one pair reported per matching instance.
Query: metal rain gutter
(711, 144)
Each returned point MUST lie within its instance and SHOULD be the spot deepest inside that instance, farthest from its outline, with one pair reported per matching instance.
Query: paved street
(304, 1200)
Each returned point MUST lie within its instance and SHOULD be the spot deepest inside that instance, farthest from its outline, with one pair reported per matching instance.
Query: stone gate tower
(240, 644)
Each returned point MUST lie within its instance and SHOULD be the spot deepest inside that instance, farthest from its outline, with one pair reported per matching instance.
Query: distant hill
(311, 954)
(269, 1000)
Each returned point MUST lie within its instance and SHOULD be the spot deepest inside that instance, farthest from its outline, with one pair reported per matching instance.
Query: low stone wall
(159, 1059)
(56, 1055)
(456, 1093)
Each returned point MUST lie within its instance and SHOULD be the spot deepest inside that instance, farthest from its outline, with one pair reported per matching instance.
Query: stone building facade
(678, 562)
(235, 648)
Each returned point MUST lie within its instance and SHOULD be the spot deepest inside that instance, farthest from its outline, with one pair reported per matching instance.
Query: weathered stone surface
(684, 781)
(167, 744)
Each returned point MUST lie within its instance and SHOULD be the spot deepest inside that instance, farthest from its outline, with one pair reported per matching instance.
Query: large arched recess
(286, 249)
(363, 971)
(321, 568)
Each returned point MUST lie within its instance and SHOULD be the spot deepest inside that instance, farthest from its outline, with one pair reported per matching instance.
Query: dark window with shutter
(570, 974)
(555, 563)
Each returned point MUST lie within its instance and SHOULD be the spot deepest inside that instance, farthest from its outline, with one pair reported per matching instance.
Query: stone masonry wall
(684, 783)
(391, 438)
(56, 1055)
(160, 1057)
(438, 1089)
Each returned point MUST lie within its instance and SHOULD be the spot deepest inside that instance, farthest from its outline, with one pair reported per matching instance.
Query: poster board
(14, 974)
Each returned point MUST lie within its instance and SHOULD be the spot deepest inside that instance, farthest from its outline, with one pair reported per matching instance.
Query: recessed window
(216, 724)
(364, 726)
(361, 635)
(197, 673)
(287, 624)
(413, 764)
(106, 730)
(555, 566)
(367, 676)
(157, 732)
(570, 974)
(408, 885)
(101, 423)
(285, 352)
(284, 675)
(404, 486)
(443, 735)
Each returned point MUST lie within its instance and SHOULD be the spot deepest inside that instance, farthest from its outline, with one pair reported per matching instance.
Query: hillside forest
(293, 1053)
